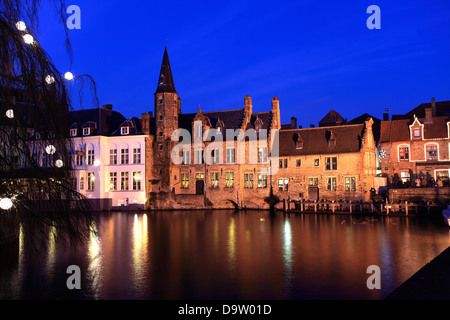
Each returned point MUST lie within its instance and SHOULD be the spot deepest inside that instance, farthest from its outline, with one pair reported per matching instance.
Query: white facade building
(109, 158)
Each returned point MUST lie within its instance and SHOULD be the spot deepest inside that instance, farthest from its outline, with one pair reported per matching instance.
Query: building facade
(108, 157)
(232, 158)
(415, 147)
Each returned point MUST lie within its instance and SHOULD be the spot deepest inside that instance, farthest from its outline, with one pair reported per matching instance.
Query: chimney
(311, 126)
(293, 123)
(386, 115)
(430, 112)
(433, 107)
(107, 106)
(146, 123)
(248, 104)
(276, 121)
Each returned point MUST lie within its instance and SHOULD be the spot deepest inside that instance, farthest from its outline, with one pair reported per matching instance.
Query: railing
(359, 207)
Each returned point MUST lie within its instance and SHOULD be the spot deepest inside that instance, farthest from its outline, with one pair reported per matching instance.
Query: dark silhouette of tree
(37, 189)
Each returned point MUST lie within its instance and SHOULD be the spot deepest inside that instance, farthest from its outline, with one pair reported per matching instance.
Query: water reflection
(95, 262)
(228, 255)
(287, 254)
(140, 252)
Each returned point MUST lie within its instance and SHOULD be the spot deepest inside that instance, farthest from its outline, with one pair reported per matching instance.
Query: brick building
(334, 161)
(416, 145)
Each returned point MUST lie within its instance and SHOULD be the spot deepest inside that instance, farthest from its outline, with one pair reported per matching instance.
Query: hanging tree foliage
(37, 189)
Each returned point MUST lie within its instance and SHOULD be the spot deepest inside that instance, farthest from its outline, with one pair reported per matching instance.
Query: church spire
(165, 82)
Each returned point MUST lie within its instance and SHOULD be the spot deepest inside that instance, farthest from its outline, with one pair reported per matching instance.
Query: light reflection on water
(229, 255)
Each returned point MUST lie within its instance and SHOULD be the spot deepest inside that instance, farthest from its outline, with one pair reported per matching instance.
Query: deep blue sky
(314, 55)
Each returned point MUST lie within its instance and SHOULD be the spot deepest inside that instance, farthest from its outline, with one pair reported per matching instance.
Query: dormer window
(299, 144)
(73, 132)
(220, 126)
(416, 129)
(332, 140)
(86, 131)
(124, 130)
(258, 124)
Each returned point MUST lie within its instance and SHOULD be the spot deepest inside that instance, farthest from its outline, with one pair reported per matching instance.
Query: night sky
(314, 55)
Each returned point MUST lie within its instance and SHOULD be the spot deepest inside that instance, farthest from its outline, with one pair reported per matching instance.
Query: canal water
(227, 255)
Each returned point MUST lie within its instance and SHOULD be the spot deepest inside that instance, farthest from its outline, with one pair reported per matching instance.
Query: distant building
(415, 147)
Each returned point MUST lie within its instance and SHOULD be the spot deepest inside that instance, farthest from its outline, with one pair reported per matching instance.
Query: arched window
(113, 154)
(124, 154)
(90, 154)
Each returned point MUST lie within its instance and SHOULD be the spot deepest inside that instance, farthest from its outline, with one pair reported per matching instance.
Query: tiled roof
(442, 109)
(134, 124)
(107, 121)
(398, 130)
(316, 140)
(332, 118)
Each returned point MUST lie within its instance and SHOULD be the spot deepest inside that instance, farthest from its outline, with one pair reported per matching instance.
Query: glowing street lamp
(68, 76)
(28, 38)
(21, 26)
(49, 79)
(50, 149)
(10, 113)
(6, 203)
(59, 163)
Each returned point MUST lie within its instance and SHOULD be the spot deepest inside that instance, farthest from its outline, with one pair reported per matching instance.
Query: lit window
(214, 180)
(137, 180)
(248, 180)
(262, 180)
(416, 133)
(404, 176)
(91, 181)
(432, 152)
(403, 153)
(350, 183)
(316, 162)
(229, 179)
(124, 130)
(283, 184)
(185, 181)
(112, 181)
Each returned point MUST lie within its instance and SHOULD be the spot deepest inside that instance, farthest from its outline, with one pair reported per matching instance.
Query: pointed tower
(167, 102)
(167, 111)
